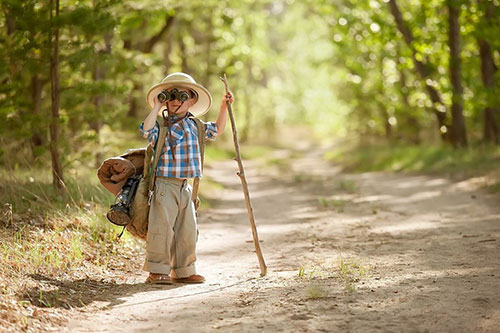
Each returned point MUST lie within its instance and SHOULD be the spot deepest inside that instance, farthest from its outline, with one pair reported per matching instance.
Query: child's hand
(157, 104)
(229, 98)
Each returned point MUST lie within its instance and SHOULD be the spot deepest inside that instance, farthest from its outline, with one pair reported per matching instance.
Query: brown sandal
(190, 279)
(159, 279)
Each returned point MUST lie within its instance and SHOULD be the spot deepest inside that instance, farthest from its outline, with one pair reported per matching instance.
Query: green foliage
(403, 157)
(341, 68)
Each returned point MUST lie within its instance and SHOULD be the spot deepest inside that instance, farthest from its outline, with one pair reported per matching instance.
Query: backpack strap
(201, 143)
(156, 157)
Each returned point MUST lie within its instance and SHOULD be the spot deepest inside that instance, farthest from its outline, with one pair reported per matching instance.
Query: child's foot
(190, 279)
(159, 278)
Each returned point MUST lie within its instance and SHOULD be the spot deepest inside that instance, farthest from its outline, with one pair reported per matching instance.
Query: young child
(172, 230)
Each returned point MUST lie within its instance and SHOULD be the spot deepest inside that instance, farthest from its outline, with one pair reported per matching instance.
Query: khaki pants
(172, 230)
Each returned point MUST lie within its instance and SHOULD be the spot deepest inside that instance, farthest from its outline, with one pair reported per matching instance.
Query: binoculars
(119, 212)
(173, 94)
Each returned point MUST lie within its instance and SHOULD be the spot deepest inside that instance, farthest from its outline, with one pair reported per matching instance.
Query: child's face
(182, 110)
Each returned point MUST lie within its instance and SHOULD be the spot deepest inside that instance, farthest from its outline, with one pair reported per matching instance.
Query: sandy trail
(428, 249)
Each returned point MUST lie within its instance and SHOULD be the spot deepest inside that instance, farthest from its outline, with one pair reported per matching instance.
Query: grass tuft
(54, 249)
(350, 271)
(337, 204)
(424, 158)
(346, 185)
(315, 291)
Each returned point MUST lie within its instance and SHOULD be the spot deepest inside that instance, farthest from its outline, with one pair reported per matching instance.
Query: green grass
(214, 152)
(315, 291)
(306, 275)
(31, 190)
(249, 152)
(338, 204)
(44, 235)
(429, 159)
(346, 185)
(282, 164)
(350, 271)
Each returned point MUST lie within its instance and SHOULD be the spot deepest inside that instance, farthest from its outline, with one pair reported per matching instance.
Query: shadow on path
(79, 293)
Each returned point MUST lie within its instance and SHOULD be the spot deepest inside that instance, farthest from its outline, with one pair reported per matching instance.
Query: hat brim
(202, 105)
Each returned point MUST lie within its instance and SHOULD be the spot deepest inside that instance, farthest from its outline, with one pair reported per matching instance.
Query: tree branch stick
(244, 185)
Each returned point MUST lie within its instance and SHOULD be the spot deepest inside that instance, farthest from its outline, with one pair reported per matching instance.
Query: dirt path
(362, 252)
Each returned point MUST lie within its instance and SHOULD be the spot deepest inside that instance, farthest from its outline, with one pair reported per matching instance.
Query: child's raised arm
(150, 120)
(222, 117)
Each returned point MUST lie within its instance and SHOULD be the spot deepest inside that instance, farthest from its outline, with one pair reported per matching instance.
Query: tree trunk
(412, 122)
(132, 105)
(488, 69)
(147, 47)
(459, 135)
(57, 171)
(169, 23)
(422, 69)
(182, 47)
(208, 48)
(250, 81)
(98, 74)
(11, 27)
(382, 106)
(246, 130)
(166, 56)
(36, 98)
(387, 124)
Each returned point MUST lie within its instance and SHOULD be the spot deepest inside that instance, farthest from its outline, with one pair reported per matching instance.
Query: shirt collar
(174, 118)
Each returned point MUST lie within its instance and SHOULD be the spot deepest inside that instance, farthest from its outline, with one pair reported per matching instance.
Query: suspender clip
(150, 197)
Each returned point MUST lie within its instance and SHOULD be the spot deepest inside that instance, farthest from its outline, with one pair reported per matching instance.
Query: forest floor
(373, 251)
(362, 252)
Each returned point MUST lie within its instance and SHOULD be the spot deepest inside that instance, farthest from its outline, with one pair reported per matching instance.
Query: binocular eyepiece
(173, 94)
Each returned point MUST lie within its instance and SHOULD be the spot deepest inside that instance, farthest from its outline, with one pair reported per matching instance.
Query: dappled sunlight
(421, 181)
(303, 212)
(416, 223)
(474, 183)
(451, 218)
(373, 198)
(353, 246)
(257, 194)
(368, 131)
(429, 274)
(424, 195)
(436, 182)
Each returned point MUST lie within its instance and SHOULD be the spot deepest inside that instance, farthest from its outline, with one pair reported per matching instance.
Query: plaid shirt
(187, 162)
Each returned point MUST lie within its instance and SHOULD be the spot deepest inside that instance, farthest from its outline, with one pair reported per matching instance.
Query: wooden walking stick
(241, 174)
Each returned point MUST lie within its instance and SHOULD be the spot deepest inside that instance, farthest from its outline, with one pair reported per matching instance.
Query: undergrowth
(59, 252)
(422, 158)
(348, 271)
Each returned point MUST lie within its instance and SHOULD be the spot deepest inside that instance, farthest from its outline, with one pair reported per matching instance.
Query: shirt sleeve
(151, 134)
(210, 131)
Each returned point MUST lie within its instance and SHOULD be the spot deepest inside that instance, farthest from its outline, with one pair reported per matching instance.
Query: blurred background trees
(392, 70)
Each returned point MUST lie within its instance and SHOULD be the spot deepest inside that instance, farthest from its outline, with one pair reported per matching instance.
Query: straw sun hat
(182, 80)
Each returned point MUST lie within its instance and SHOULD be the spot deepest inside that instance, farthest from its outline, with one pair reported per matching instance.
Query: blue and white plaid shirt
(187, 162)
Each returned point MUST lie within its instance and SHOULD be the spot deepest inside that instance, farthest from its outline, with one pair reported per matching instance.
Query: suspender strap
(157, 152)
(156, 157)
(201, 142)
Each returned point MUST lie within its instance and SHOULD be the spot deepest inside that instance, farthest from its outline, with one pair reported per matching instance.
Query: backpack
(131, 208)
